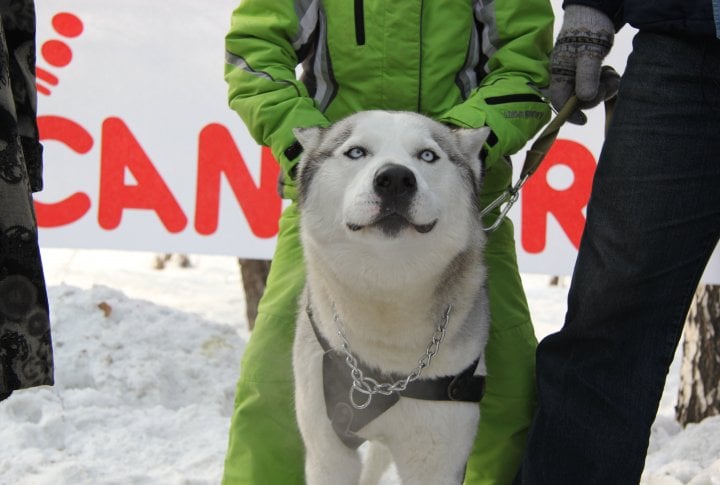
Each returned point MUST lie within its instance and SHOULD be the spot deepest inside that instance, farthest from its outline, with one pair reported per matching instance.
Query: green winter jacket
(366, 55)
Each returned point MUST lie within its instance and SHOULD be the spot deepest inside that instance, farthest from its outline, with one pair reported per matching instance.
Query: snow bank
(146, 366)
(143, 394)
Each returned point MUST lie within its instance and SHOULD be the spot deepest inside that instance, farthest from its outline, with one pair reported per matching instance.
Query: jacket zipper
(360, 22)
(515, 98)
(420, 60)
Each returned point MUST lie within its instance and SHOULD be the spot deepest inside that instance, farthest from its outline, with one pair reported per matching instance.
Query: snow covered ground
(146, 365)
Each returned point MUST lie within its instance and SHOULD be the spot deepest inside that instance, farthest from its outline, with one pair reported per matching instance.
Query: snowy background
(146, 366)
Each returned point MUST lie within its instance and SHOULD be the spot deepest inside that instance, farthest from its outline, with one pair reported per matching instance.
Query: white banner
(143, 153)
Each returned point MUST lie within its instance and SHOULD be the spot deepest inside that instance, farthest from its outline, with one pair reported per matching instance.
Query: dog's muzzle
(396, 187)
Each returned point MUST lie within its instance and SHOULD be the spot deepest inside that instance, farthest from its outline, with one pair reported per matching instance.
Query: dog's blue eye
(428, 155)
(355, 153)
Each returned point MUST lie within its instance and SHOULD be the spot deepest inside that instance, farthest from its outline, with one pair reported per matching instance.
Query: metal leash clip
(509, 197)
(533, 158)
(540, 148)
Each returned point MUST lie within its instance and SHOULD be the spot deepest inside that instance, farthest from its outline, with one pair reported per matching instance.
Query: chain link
(369, 386)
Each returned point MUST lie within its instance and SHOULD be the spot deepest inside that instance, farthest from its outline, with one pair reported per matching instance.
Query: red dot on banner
(56, 53)
(67, 24)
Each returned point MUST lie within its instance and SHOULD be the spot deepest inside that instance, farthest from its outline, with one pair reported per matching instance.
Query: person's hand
(584, 40)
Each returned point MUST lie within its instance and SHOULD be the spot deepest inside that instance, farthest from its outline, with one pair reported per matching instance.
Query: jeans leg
(653, 221)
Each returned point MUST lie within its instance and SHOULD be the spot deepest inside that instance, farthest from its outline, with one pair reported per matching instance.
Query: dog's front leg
(430, 441)
(448, 472)
(332, 465)
(327, 460)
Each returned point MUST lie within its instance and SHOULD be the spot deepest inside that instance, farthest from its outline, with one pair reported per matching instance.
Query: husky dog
(393, 321)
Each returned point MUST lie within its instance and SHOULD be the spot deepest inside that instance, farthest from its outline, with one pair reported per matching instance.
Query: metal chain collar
(369, 386)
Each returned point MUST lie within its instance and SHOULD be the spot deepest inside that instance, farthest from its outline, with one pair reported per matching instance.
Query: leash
(536, 154)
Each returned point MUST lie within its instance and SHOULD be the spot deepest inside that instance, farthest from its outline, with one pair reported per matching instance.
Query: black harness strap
(337, 383)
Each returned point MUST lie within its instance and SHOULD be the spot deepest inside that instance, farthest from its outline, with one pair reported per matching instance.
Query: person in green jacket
(467, 63)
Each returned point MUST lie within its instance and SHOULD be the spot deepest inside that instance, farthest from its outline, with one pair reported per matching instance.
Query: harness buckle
(351, 396)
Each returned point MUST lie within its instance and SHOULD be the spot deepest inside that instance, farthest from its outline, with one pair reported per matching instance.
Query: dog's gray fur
(387, 264)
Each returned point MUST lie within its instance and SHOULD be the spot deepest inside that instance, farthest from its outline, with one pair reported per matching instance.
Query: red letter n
(261, 203)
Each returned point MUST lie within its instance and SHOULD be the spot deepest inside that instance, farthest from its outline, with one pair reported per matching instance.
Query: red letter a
(120, 150)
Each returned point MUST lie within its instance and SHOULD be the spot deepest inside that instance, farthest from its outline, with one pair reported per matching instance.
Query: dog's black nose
(395, 180)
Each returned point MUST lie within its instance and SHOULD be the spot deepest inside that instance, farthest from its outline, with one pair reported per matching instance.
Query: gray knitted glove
(584, 40)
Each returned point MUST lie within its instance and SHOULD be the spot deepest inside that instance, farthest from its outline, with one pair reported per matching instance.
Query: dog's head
(389, 176)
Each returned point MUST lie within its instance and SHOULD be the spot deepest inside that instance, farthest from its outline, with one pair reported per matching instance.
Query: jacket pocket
(515, 98)
(360, 22)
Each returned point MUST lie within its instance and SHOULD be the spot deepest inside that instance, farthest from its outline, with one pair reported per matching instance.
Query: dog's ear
(472, 139)
(471, 142)
(309, 138)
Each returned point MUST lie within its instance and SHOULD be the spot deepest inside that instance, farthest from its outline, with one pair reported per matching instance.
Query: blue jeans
(653, 222)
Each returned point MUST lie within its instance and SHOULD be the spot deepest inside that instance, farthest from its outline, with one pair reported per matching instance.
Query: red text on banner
(540, 200)
(121, 153)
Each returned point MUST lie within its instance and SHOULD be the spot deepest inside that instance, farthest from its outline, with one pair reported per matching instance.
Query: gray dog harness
(346, 419)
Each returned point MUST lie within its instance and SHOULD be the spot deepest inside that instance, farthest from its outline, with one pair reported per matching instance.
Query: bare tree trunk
(254, 274)
(699, 394)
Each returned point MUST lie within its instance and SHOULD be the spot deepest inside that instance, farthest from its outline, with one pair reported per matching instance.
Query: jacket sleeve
(508, 100)
(262, 53)
(612, 8)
